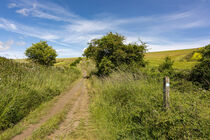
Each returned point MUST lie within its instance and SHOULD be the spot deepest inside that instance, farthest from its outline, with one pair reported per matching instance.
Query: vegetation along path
(73, 105)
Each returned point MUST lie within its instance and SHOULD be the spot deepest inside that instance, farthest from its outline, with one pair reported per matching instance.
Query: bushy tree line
(110, 52)
(201, 72)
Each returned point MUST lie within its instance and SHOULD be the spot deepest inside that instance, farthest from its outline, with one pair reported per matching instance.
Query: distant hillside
(179, 56)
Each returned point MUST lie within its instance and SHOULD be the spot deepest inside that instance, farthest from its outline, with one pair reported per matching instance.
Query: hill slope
(155, 58)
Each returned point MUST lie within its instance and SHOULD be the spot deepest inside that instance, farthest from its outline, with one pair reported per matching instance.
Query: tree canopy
(110, 52)
(41, 53)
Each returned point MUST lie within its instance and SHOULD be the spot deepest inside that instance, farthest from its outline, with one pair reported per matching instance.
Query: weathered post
(166, 88)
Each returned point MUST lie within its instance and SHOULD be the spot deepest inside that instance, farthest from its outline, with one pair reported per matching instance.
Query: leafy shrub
(24, 86)
(77, 61)
(105, 67)
(41, 53)
(167, 66)
(110, 52)
(200, 74)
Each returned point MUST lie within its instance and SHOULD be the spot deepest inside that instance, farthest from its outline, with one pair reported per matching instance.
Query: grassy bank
(24, 86)
(124, 107)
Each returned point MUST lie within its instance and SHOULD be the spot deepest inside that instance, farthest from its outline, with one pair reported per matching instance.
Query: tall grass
(123, 107)
(24, 86)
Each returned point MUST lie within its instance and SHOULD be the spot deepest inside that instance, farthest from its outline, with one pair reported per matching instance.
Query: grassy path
(63, 117)
(78, 112)
(56, 108)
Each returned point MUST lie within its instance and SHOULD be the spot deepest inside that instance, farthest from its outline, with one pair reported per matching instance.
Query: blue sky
(68, 25)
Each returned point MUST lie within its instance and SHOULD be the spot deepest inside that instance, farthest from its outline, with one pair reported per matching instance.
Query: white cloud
(69, 52)
(28, 31)
(23, 11)
(12, 5)
(6, 45)
(12, 54)
(49, 37)
(87, 26)
(193, 24)
(7, 24)
(180, 15)
(45, 10)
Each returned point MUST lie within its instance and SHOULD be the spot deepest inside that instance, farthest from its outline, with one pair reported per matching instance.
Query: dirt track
(78, 110)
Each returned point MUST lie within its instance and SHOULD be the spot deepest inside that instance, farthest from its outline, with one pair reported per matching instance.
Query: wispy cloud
(170, 45)
(23, 11)
(12, 5)
(69, 52)
(20, 43)
(12, 54)
(45, 10)
(6, 45)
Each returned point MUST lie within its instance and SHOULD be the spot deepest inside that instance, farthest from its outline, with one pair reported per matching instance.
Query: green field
(156, 58)
(64, 61)
(59, 61)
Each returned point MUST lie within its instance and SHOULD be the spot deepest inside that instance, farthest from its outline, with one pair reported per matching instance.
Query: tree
(110, 52)
(41, 53)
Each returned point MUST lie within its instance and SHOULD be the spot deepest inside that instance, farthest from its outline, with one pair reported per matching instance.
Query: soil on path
(78, 112)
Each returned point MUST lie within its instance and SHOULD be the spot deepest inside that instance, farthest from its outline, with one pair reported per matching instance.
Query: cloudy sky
(68, 25)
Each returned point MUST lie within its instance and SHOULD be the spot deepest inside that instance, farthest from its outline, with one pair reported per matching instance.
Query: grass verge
(124, 107)
(25, 86)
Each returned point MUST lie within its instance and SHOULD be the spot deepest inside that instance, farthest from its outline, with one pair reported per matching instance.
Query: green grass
(24, 86)
(32, 118)
(126, 108)
(156, 58)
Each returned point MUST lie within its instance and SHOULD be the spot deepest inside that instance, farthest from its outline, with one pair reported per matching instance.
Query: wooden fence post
(166, 88)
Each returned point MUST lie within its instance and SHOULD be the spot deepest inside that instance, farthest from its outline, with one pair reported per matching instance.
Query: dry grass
(64, 61)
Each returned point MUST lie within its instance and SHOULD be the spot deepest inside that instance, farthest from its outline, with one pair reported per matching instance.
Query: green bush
(200, 74)
(105, 67)
(110, 52)
(167, 66)
(77, 61)
(125, 108)
(24, 86)
(41, 53)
